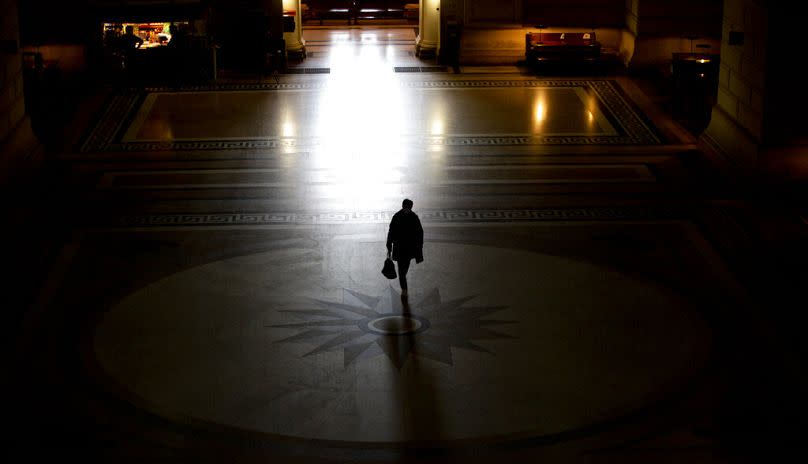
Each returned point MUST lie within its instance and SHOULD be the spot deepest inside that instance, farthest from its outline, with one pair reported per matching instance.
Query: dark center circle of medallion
(398, 324)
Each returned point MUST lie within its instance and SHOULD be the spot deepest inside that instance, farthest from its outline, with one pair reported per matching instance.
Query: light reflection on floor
(199, 250)
(376, 109)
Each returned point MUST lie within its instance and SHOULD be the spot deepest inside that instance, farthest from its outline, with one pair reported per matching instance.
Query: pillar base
(425, 48)
(295, 46)
(296, 52)
(730, 145)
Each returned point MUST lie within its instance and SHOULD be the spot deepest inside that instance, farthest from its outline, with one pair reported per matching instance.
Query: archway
(406, 30)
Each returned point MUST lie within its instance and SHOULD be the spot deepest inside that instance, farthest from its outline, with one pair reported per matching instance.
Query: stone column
(628, 37)
(428, 40)
(757, 127)
(19, 149)
(295, 44)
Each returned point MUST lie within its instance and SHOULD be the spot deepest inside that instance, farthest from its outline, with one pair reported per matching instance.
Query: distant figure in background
(179, 65)
(127, 44)
(405, 240)
(179, 38)
(129, 41)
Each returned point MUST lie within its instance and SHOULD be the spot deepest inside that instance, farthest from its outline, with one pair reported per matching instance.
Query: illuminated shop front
(151, 20)
(152, 34)
(154, 40)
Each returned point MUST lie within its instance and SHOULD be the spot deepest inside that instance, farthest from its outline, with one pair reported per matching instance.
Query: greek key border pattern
(111, 120)
(226, 87)
(376, 217)
(624, 113)
(276, 143)
(103, 135)
(421, 84)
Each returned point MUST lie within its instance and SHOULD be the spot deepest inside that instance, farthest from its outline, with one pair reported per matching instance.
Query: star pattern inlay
(365, 326)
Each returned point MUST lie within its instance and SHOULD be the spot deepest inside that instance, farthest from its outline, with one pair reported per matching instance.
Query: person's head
(130, 29)
(407, 203)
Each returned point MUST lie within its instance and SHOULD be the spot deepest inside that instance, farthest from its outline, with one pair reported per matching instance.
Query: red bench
(561, 46)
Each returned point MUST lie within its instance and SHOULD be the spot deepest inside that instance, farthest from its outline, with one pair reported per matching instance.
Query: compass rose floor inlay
(317, 345)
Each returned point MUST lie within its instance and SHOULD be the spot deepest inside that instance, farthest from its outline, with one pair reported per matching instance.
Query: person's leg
(403, 267)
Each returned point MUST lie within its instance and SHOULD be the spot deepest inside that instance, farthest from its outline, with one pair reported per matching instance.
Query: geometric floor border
(381, 217)
(633, 128)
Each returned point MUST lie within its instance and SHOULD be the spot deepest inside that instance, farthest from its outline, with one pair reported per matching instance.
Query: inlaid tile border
(111, 121)
(635, 129)
(383, 217)
(309, 143)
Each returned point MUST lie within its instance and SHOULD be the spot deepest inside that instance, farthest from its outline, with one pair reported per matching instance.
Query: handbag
(389, 269)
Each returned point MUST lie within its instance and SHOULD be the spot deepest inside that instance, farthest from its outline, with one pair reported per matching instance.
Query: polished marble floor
(345, 115)
(348, 109)
(219, 298)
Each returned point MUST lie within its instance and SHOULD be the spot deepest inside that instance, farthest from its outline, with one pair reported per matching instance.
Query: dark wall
(786, 94)
(679, 18)
(575, 13)
(657, 17)
(55, 21)
(242, 35)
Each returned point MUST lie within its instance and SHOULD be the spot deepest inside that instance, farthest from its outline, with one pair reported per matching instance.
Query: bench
(354, 10)
(330, 9)
(561, 46)
(380, 9)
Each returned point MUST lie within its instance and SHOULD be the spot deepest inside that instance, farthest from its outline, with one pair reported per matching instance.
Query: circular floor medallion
(396, 325)
(316, 344)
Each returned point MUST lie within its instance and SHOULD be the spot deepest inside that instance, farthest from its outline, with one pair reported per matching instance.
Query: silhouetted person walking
(405, 240)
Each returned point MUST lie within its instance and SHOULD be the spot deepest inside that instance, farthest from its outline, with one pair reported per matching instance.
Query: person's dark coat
(129, 42)
(406, 236)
